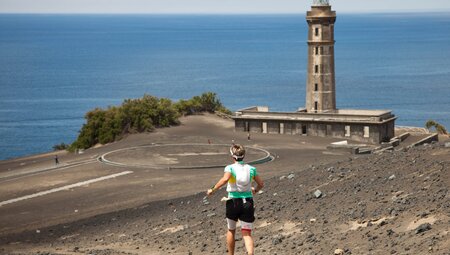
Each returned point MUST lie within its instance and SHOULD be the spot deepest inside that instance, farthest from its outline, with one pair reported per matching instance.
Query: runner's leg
(248, 240)
(246, 228)
(232, 218)
(231, 241)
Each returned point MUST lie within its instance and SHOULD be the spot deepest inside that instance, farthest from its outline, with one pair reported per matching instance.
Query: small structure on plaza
(320, 117)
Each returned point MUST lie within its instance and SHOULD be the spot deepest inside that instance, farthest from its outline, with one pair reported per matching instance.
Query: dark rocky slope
(391, 203)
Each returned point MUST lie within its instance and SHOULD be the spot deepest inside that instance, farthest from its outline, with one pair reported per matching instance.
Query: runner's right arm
(220, 183)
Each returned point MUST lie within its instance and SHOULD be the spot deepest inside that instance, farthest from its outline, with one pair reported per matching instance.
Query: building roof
(341, 115)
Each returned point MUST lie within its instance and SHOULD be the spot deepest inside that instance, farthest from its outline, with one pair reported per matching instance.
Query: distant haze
(214, 6)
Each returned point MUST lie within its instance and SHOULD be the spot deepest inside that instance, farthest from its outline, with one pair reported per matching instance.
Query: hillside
(392, 203)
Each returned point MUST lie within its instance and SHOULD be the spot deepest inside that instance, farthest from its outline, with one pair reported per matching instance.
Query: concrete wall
(273, 127)
(377, 132)
(255, 126)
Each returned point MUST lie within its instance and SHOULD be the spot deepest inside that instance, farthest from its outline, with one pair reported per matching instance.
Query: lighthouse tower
(320, 85)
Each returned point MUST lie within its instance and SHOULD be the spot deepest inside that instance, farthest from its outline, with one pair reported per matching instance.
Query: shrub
(60, 147)
(440, 129)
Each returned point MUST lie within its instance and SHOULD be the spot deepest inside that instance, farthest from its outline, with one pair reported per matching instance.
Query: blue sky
(214, 6)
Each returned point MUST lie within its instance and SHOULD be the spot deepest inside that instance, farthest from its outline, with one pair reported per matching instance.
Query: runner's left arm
(260, 184)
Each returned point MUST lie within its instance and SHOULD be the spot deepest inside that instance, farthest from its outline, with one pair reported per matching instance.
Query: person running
(240, 204)
(56, 160)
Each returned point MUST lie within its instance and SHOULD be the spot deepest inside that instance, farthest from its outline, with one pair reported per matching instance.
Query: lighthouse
(320, 117)
(321, 83)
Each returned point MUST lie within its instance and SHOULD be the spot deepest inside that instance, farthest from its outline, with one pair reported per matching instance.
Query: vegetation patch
(140, 115)
(440, 129)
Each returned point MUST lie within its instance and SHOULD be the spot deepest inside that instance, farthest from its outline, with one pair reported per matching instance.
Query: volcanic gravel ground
(390, 203)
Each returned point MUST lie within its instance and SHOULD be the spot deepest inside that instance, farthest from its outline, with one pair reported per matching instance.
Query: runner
(239, 205)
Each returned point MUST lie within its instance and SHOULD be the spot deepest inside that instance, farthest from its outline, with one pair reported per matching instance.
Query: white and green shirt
(240, 183)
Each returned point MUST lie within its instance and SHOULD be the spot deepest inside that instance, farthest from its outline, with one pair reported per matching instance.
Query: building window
(316, 104)
(304, 130)
(316, 87)
(317, 50)
(316, 68)
(347, 131)
(317, 31)
(366, 132)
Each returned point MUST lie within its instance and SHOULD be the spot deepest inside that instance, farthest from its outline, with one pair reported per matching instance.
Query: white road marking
(186, 154)
(40, 171)
(67, 187)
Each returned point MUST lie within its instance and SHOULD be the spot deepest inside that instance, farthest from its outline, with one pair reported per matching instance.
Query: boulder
(318, 194)
(423, 227)
(339, 252)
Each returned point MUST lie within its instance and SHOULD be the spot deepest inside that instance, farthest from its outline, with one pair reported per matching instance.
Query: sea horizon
(56, 67)
(401, 12)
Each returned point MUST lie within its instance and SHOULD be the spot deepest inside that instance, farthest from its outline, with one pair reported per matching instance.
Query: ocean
(55, 68)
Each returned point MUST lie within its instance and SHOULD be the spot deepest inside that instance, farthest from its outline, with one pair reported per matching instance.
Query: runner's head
(237, 152)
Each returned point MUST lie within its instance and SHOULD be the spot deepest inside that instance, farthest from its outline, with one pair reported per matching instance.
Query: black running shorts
(240, 209)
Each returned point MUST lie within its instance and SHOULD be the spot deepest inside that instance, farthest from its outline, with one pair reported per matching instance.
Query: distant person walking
(56, 160)
(248, 136)
(240, 206)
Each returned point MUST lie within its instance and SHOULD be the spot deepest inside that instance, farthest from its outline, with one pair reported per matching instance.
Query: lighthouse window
(317, 31)
(316, 69)
(316, 106)
(316, 87)
(317, 50)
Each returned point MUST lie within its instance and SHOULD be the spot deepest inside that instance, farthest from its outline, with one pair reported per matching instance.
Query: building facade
(320, 117)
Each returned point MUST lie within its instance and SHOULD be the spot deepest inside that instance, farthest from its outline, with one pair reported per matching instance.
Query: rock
(282, 178)
(318, 194)
(291, 176)
(423, 227)
(339, 252)
(390, 232)
(210, 215)
(392, 177)
(277, 240)
(447, 145)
